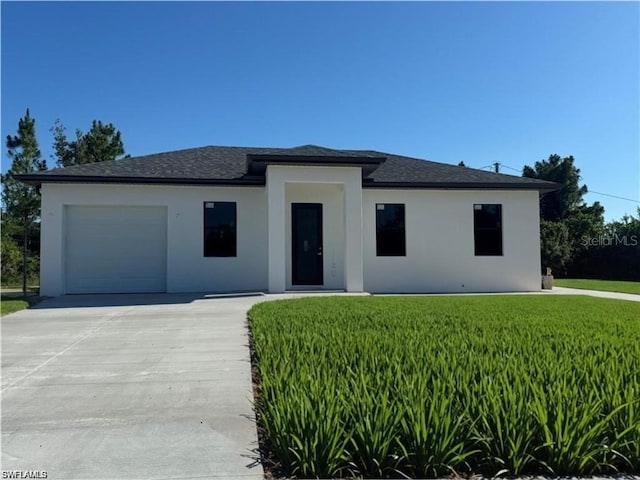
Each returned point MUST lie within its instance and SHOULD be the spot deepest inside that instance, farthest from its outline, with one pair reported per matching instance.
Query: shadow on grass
(14, 302)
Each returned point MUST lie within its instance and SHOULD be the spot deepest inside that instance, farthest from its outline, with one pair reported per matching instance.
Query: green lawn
(14, 303)
(605, 285)
(423, 386)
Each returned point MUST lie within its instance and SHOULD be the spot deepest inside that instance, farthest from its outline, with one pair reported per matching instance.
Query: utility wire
(614, 196)
(519, 170)
(589, 191)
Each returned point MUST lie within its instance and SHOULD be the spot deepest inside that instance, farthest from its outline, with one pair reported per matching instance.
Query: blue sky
(479, 82)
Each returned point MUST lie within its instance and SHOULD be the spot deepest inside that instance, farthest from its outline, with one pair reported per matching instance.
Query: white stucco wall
(187, 268)
(439, 232)
(440, 243)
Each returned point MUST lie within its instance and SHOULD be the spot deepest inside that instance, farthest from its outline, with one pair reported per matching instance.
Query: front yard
(428, 386)
(604, 285)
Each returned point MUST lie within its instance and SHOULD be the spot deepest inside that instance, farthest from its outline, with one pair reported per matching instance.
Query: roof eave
(38, 180)
(542, 187)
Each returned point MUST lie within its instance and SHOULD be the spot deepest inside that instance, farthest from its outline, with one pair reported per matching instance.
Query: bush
(11, 258)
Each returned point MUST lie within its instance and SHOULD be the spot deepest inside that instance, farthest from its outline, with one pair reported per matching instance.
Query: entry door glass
(306, 245)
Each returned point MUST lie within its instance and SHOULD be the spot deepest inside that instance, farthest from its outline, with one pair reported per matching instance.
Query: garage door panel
(115, 249)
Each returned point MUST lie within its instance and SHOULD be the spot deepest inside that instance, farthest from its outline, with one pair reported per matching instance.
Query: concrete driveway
(129, 386)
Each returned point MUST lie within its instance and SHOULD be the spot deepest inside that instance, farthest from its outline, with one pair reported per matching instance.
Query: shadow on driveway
(132, 299)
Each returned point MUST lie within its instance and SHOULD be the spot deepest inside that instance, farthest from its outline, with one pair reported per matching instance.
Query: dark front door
(306, 245)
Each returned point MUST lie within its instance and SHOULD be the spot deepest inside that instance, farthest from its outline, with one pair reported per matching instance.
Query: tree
(557, 205)
(555, 249)
(103, 142)
(21, 201)
(11, 255)
(584, 222)
(565, 220)
(627, 227)
(64, 152)
(613, 254)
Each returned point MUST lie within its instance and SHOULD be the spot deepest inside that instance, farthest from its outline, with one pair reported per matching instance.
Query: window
(390, 236)
(220, 229)
(487, 229)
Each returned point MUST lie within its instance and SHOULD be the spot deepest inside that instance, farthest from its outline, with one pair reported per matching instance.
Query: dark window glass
(220, 229)
(487, 229)
(390, 236)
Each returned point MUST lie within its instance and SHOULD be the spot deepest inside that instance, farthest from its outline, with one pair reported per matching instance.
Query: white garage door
(116, 249)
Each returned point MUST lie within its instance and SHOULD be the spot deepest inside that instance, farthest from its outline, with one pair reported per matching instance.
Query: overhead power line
(519, 170)
(495, 167)
(614, 196)
(492, 166)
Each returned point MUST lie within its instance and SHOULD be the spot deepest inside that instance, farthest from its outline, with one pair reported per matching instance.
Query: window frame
(205, 229)
(484, 230)
(401, 252)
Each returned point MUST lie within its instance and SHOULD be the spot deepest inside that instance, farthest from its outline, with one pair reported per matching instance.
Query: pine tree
(21, 201)
(101, 143)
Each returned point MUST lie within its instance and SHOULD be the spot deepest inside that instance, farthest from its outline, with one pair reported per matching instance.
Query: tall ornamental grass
(424, 387)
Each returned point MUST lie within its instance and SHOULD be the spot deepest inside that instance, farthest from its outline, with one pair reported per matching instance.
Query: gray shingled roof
(228, 165)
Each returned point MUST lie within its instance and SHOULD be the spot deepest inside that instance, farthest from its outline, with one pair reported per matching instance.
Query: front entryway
(306, 244)
(322, 206)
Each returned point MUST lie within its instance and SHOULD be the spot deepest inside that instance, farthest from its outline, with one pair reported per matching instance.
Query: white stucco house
(225, 219)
